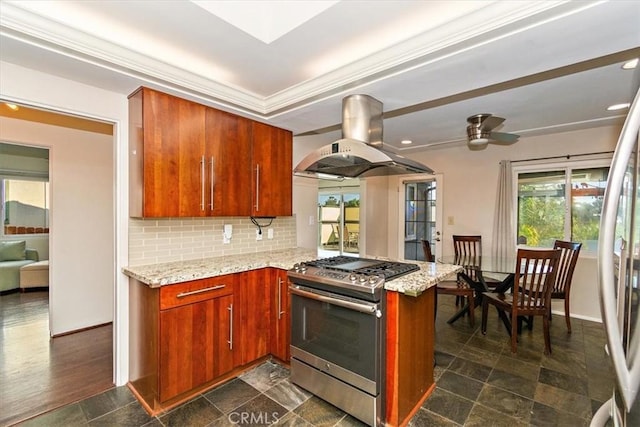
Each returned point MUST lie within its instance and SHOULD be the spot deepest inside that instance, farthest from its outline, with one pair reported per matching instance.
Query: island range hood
(359, 154)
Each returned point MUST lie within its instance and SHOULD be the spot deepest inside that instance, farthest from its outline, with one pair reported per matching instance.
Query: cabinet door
(255, 304)
(173, 164)
(196, 345)
(224, 336)
(186, 348)
(272, 171)
(228, 156)
(280, 308)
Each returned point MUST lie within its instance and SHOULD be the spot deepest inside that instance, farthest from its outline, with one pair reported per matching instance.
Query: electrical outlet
(270, 233)
(258, 235)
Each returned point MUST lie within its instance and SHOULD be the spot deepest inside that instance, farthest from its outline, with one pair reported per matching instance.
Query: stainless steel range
(337, 331)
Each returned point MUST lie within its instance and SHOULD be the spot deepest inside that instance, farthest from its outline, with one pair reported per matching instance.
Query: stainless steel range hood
(360, 153)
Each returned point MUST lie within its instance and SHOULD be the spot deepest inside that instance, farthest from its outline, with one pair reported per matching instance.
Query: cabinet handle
(280, 312)
(199, 291)
(213, 183)
(202, 164)
(230, 342)
(257, 188)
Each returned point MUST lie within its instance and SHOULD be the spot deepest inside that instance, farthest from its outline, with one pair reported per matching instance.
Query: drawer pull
(199, 291)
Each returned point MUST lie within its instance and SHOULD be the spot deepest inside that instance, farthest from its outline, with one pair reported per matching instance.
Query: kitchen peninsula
(195, 324)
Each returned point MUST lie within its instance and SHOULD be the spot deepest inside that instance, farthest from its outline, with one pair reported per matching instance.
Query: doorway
(82, 213)
(421, 215)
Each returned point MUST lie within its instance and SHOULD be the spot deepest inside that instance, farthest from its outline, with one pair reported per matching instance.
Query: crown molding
(499, 20)
(46, 33)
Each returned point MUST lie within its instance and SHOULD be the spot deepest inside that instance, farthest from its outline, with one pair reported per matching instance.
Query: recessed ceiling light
(406, 142)
(14, 107)
(630, 65)
(618, 106)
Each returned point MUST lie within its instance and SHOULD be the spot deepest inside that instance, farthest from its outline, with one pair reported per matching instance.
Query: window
(25, 206)
(561, 203)
(339, 222)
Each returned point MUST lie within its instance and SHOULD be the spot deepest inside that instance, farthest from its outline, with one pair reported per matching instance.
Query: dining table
(492, 274)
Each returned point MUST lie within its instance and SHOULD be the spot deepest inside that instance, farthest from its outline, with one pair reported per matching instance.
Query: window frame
(567, 166)
(25, 177)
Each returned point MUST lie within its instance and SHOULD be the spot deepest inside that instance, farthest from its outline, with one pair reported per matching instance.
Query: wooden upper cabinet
(272, 171)
(189, 160)
(228, 146)
(167, 136)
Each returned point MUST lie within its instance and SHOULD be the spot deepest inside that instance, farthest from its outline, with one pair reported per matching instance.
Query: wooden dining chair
(459, 287)
(564, 276)
(426, 248)
(467, 246)
(535, 273)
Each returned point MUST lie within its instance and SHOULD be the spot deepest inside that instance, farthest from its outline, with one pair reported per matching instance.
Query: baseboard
(81, 330)
(578, 316)
(35, 289)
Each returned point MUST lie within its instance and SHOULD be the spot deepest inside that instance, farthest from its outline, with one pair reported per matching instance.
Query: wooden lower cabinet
(182, 338)
(187, 337)
(409, 354)
(196, 345)
(280, 314)
(255, 310)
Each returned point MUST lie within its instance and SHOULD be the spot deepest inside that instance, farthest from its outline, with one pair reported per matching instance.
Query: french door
(420, 215)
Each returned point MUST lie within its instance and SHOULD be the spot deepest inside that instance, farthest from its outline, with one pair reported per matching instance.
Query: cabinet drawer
(195, 291)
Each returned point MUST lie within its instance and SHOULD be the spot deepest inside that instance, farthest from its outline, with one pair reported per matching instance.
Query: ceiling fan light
(478, 141)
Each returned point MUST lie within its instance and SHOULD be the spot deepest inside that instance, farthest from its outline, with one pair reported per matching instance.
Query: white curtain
(504, 239)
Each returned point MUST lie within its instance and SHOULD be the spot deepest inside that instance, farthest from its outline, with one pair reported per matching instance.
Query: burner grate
(387, 269)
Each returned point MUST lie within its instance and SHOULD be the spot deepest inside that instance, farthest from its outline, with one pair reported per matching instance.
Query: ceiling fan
(480, 131)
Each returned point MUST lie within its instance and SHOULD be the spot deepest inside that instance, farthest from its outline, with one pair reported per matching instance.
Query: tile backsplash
(153, 241)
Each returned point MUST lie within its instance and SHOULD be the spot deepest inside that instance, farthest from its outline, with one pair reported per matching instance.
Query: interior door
(420, 215)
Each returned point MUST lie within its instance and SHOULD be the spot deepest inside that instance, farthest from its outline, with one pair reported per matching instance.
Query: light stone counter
(156, 275)
(417, 282)
(169, 273)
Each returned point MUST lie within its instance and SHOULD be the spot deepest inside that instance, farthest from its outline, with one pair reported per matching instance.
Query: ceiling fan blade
(490, 123)
(503, 138)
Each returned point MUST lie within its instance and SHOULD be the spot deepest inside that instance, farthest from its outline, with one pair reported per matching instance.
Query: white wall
(81, 221)
(305, 193)
(85, 252)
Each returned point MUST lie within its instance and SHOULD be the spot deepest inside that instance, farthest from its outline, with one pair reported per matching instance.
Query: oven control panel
(335, 277)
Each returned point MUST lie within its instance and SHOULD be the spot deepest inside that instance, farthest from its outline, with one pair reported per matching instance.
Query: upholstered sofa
(13, 255)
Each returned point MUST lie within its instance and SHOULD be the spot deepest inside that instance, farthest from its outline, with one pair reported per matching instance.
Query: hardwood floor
(38, 373)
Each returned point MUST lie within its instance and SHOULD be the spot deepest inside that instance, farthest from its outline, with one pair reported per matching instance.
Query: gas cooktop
(372, 267)
(356, 277)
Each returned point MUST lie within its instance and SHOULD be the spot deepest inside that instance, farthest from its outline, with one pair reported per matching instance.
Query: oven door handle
(362, 308)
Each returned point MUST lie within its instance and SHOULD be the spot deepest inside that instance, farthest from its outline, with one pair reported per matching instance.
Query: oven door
(338, 335)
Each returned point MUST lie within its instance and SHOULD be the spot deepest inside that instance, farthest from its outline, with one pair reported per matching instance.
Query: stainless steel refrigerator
(619, 276)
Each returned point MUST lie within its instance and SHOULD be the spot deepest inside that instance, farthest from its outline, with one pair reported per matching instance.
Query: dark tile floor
(479, 383)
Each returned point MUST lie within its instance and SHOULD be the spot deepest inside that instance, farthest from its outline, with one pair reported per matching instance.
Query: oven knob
(373, 280)
(353, 277)
(363, 279)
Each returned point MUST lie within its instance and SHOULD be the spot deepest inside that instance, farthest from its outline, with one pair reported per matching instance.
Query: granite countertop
(429, 274)
(156, 275)
(168, 273)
